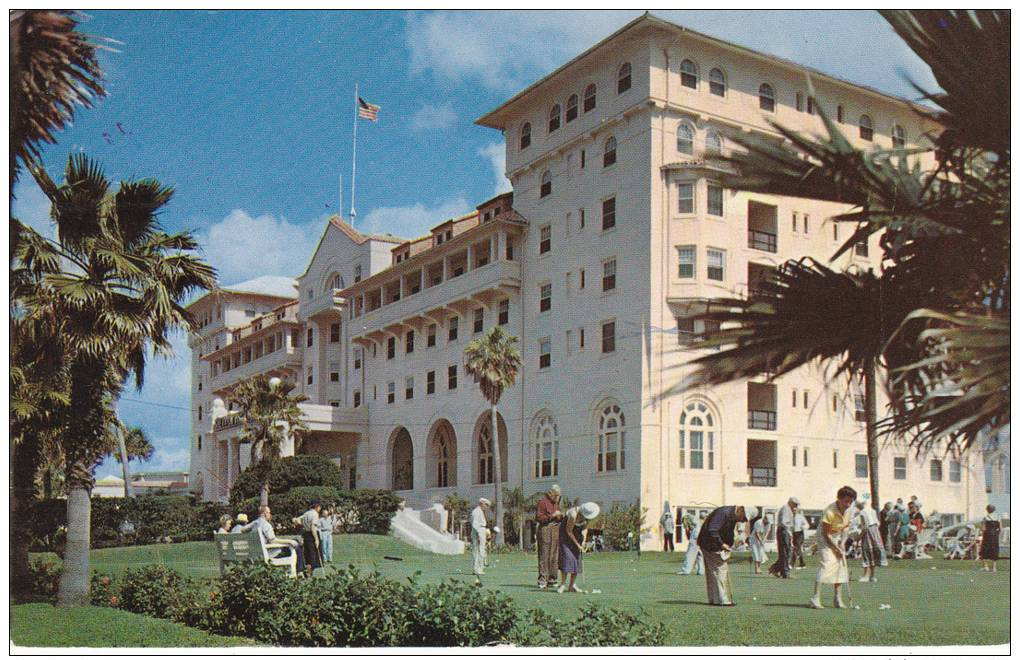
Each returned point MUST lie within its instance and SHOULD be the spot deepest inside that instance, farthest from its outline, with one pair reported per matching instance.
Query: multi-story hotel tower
(616, 232)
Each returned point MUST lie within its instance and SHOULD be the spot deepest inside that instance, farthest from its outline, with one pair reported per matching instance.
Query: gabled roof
(350, 232)
(496, 118)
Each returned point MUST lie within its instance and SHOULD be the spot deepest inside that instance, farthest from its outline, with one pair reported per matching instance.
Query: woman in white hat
(575, 521)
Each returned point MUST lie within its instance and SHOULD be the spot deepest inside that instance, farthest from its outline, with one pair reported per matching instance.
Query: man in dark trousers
(716, 543)
(784, 538)
(549, 518)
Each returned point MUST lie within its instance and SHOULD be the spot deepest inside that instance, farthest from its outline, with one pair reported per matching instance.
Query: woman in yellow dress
(832, 568)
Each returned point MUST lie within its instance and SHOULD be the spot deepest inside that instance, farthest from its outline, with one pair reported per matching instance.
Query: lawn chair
(248, 547)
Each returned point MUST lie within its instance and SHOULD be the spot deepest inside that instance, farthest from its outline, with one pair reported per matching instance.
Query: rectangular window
(608, 213)
(954, 470)
(409, 342)
(685, 195)
(357, 398)
(334, 404)
(545, 298)
(391, 392)
(357, 273)
(504, 311)
(580, 279)
(793, 221)
(409, 388)
(580, 338)
(835, 459)
(716, 264)
(544, 353)
(835, 230)
(334, 372)
(580, 218)
(835, 402)
(199, 443)
(860, 466)
(391, 348)
(861, 248)
(794, 457)
(451, 377)
(545, 239)
(310, 375)
(811, 105)
(609, 337)
(357, 358)
(936, 469)
(839, 113)
(805, 457)
(582, 159)
(805, 399)
(200, 413)
(715, 200)
(799, 102)
(609, 275)
(430, 336)
(794, 398)
(334, 333)
(311, 332)
(479, 324)
(430, 382)
(453, 328)
(546, 459)
(806, 219)
(687, 258)
(685, 330)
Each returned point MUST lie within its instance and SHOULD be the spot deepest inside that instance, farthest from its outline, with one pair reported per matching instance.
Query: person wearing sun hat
(716, 543)
(241, 522)
(575, 521)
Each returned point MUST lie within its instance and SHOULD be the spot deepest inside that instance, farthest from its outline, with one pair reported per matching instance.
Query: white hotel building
(615, 233)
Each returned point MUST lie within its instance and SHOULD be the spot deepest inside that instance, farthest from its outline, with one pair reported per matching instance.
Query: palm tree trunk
(871, 426)
(497, 462)
(74, 580)
(125, 470)
(24, 462)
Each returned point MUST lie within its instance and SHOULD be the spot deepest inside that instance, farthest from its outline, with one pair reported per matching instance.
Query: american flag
(367, 110)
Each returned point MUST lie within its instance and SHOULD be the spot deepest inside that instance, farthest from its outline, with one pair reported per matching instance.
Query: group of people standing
(312, 550)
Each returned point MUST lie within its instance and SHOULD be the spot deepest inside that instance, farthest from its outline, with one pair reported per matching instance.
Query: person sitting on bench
(263, 524)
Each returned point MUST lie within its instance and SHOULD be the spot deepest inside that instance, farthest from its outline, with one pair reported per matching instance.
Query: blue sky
(248, 115)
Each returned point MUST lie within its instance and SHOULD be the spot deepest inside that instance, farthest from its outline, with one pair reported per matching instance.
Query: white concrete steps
(407, 526)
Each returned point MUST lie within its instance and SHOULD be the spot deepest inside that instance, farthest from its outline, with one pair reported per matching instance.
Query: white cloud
(32, 207)
(242, 247)
(503, 50)
(432, 117)
(414, 220)
(495, 152)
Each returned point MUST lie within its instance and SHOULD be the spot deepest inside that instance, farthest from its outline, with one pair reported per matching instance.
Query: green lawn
(42, 624)
(953, 604)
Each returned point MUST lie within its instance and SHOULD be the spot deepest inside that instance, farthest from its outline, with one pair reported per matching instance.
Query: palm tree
(112, 286)
(493, 361)
(132, 444)
(269, 413)
(517, 508)
(53, 68)
(934, 321)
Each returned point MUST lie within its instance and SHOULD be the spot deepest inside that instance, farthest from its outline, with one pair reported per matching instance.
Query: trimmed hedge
(155, 518)
(362, 511)
(350, 608)
(287, 474)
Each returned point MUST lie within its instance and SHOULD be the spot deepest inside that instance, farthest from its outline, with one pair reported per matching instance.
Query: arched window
(609, 154)
(444, 454)
(713, 144)
(525, 135)
(547, 447)
(766, 97)
(546, 188)
(589, 97)
(335, 281)
(899, 137)
(697, 437)
(866, 130)
(685, 139)
(572, 108)
(717, 82)
(486, 458)
(611, 439)
(689, 74)
(623, 78)
(554, 118)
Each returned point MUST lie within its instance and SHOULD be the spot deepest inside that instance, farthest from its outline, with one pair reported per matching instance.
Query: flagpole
(354, 155)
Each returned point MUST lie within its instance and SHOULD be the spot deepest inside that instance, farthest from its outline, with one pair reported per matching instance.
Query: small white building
(616, 233)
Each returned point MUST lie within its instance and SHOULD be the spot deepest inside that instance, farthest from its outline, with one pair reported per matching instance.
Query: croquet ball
(754, 598)
(857, 607)
(934, 568)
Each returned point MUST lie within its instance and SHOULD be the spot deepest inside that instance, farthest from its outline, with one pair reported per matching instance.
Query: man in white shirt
(800, 527)
(479, 534)
(871, 541)
(784, 538)
(264, 526)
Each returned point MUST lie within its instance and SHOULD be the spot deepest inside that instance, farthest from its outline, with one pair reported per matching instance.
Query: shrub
(374, 508)
(618, 522)
(286, 474)
(594, 626)
(45, 578)
(255, 600)
(158, 591)
(458, 614)
(104, 591)
(355, 609)
(362, 511)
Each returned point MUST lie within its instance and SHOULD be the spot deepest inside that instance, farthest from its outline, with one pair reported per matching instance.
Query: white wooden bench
(248, 547)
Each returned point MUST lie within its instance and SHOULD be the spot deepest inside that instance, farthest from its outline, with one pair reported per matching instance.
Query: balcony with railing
(477, 270)
(762, 226)
(762, 476)
(274, 350)
(761, 463)
(329, 303)
(761, 406)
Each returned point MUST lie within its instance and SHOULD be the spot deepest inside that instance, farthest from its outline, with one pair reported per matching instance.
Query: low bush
(618, 522)
(158, 591)
(362, 511)
(104, 591)
(286, 474)
(458, 614)
(594, 626)
(45, 578)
